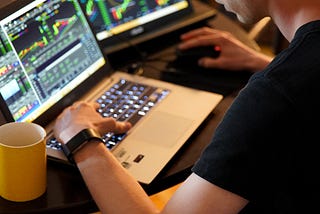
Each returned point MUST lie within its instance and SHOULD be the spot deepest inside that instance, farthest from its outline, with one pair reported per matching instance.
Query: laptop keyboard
(124, 101)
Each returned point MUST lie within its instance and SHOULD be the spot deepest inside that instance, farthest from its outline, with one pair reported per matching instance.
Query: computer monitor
(122, 23)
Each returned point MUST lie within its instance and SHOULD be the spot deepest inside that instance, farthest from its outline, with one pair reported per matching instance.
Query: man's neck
(289, 15)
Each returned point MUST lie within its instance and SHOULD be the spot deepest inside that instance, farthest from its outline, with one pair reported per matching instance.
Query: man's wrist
(91, 151)
(78, 141)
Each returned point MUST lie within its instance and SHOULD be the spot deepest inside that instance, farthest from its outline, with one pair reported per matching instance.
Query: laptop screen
(117, 22)
(47, 49)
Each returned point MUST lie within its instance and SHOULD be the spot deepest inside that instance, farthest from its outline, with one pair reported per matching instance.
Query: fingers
(195, 33)
(81, 104)
(206, 36)
(122, 127)
(200, 38)
(109, 124)
(207, 62)
(104, 125)
(82, 115)
(197, 42)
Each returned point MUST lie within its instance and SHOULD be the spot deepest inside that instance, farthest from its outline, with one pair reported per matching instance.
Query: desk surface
(66, 191)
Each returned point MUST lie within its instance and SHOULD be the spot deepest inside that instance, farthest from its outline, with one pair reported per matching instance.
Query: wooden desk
(66, 191)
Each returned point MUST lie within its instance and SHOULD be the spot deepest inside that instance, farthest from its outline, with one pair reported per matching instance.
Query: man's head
(288, 15)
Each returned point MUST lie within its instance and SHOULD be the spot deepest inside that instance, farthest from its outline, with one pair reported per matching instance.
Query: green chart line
(103, 10)
(122, 9)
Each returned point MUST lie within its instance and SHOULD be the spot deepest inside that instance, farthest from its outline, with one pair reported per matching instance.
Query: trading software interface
(45, 51)
(110, 17)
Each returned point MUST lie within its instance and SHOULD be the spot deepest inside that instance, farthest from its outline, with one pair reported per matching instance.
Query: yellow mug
(23, 161)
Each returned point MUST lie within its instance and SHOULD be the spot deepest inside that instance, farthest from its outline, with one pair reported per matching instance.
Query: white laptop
(50, 58)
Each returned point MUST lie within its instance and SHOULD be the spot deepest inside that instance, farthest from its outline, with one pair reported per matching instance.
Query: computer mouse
(194, 54)
(187, 60)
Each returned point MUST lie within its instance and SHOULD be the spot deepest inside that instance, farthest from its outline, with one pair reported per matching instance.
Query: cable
(144, 60)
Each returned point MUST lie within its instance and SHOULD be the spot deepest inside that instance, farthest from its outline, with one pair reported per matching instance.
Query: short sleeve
(238, 157)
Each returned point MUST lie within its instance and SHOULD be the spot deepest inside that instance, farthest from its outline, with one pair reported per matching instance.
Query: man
(263, 156)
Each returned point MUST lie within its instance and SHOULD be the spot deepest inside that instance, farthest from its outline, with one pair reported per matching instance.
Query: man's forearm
(112, 187)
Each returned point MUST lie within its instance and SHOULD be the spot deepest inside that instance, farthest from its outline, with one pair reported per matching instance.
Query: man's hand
(234, 56)
(83, 115)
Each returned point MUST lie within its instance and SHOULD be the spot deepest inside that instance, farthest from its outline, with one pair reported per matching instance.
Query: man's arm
(112, 187)
(115, 190)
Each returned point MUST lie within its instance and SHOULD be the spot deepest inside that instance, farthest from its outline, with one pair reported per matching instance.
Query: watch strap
(77, 141)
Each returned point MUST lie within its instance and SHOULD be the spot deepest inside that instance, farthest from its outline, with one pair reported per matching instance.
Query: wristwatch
(79, 140)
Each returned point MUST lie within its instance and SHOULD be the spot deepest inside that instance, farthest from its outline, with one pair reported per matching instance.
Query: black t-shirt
(265, 149)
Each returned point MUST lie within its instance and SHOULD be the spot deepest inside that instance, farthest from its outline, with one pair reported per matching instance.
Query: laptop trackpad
(161, 128)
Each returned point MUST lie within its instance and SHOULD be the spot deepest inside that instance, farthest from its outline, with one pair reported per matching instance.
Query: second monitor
(122, 23)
